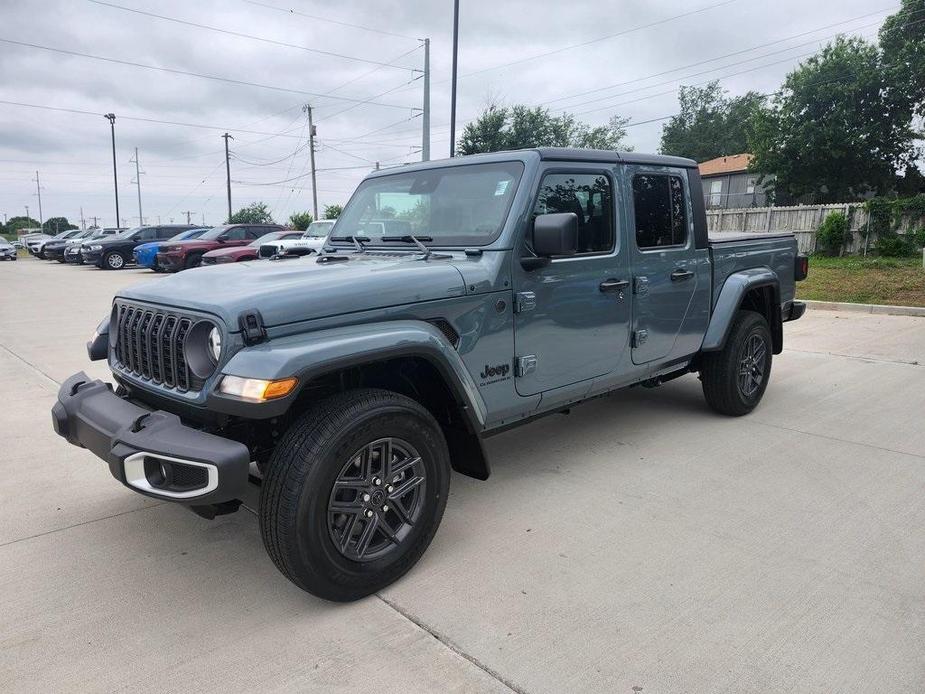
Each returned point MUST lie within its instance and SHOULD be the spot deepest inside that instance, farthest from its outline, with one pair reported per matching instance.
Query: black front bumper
(138, 443)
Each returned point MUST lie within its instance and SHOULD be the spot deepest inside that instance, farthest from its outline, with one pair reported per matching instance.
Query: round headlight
(215, 344)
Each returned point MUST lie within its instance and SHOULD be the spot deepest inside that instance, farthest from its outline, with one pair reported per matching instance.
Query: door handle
(614, 285)
(679, 275)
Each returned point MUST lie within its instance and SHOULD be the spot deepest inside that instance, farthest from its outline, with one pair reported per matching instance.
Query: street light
(453, 89)
(111, 117)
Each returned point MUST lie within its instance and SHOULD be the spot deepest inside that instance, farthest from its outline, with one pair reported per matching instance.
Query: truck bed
(716, 237)
(732, 251)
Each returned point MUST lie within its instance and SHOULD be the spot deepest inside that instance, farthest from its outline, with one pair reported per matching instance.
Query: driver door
(571, 320)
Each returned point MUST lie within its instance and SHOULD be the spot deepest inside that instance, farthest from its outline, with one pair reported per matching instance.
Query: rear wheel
(354, 493)
(735, 378)
(113, 261)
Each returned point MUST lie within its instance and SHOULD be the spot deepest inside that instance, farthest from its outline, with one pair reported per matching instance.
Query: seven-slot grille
(150, 345)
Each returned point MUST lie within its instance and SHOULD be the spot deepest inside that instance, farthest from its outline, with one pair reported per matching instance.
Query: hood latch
(251, 323)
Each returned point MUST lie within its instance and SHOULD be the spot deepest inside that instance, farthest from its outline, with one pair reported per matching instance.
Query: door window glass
(166, 232)
(235, 234)
(148, 234)
(660, 210)
(589, 196)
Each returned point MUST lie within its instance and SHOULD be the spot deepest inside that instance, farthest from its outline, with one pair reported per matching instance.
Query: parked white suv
(310, 242)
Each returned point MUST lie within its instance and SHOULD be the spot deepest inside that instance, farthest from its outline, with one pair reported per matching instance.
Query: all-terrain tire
(729, 375)
(295, 513)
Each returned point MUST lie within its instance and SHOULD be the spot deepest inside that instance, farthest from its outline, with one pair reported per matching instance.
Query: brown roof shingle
(723, 165)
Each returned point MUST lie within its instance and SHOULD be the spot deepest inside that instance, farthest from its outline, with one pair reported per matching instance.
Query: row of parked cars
(175, 247)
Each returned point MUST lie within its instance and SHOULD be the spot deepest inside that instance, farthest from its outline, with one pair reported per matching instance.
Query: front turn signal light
(257, 389)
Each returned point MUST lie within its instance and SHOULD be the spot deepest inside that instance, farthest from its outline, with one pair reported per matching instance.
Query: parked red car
(250, 251)
(186, 254)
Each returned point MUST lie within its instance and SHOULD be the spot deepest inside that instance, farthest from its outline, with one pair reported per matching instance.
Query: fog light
(256, 389)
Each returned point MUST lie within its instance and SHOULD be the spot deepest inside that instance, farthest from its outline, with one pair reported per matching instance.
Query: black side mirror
(553, 235)
(222, 238)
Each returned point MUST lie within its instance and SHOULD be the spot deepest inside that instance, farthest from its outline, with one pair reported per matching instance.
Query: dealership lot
(640, 542)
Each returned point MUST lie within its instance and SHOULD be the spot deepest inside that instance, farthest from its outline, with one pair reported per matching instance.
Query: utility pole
(203, 219)
(453, 89)
(137, 181)
(311, 154)
(187, 213)
(111, 117)
(83, 222)
(4, 219)
(95, 222)
(425, 120)
(27, 213)
(227, 137)
(38, 192)
(158, 219)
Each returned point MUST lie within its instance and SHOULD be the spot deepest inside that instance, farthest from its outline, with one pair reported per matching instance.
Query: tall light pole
(227, 137)
(453, 88)
(111, 117)
(425, 120)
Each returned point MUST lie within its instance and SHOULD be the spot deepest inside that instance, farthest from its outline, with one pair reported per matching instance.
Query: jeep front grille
(150, 345)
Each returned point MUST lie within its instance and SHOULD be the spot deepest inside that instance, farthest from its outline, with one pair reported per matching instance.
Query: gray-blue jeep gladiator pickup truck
(454, 299)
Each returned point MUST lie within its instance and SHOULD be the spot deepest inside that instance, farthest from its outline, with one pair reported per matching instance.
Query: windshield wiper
(416, 240)
(358, 241)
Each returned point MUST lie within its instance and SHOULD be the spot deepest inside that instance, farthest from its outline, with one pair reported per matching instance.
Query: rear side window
(166, 232)
(660, 211)
(589, 196)
(237, 234)
(145, 235)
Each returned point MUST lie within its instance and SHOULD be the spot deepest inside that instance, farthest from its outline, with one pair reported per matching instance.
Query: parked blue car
(146, 253)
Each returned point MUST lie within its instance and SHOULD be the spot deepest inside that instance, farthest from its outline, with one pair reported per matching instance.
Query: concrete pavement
(640, 543)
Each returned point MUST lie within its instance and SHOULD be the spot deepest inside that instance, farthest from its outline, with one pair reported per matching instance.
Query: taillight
(800, 267)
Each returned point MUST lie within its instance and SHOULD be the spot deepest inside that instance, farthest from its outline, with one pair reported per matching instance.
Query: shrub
(895, 246)
(300, 220)
(833, 232)
(918, 237)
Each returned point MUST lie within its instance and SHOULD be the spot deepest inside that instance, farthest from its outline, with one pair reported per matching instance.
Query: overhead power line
(330, 21)
(187, 73)
(242, 35)
(720, 57)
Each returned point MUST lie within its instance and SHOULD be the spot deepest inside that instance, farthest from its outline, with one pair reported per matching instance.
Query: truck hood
(288, 291)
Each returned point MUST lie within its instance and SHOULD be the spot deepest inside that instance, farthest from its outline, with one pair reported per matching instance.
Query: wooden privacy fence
(801, 220)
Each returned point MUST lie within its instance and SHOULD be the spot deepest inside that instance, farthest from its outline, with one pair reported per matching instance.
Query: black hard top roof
(576, 154)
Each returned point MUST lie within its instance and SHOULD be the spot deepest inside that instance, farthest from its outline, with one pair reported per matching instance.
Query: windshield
(318, 229)
(456, 205)
(272, 236)
(125, 234)
(187, 235)
(213, 233)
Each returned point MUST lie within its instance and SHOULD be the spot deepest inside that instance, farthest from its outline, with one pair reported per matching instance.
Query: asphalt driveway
(639, 544)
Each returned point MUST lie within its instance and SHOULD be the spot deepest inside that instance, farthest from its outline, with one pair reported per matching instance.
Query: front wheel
(735, 378)
(354, 493)
(113, 261)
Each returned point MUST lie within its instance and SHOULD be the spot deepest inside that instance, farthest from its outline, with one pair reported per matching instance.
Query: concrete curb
(881, 309)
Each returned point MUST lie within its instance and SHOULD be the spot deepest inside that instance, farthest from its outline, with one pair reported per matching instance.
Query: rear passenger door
(669, 272)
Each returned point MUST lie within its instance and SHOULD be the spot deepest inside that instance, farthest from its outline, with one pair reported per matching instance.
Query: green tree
(14, 224)
(902, 42)
(333, 211)
(255, 213)
(300, 220)
(54, 225)
(520, 127)
(834, 130)
(710, 123)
